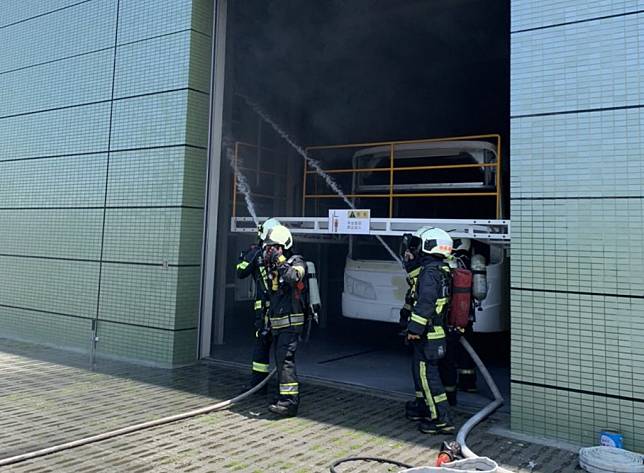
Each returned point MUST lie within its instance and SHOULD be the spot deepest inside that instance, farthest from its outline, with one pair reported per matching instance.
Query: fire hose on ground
(594, 459)
(461, 437)
(135, 428)
(471, 462)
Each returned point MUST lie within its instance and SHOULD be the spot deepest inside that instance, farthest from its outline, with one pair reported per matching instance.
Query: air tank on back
(479, 278)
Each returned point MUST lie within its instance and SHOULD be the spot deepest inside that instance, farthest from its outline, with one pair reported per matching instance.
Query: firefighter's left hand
(403, 320)
(411, 336)
(454, 333)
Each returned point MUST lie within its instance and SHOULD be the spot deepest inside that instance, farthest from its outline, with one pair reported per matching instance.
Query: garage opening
(406, 106)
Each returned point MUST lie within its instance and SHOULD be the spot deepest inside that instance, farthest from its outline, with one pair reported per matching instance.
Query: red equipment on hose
(450, 451)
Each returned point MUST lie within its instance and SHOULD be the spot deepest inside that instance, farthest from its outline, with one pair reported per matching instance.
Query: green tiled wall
(54, 233)
(32, 86)
(49, 285)
(577, 190)
(72, 131)
(47, 328)
(39, 38)
(169, 177)
(103, 134)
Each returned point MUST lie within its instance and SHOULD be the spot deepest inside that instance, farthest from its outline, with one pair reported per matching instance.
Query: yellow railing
(392, 169)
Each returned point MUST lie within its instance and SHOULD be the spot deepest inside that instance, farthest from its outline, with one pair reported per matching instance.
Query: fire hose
(593, 459)
(461, 436)
(135, 428)
(472, 462)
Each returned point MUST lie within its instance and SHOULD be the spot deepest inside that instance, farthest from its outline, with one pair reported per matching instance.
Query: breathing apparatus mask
(271, 255)
(411, 243)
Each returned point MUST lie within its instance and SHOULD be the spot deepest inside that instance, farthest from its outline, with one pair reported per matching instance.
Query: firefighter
(286, 274)
(426, 251)
(457, 369)
(251, 264)
(416, 409)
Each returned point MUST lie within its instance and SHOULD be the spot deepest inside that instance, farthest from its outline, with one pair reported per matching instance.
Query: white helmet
(435, 241)
(421, 230)
(280, 235)
(462, 244)
(264, 228)
(412, 242)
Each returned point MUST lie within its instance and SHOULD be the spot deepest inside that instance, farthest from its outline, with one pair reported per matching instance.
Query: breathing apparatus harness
(306, 290)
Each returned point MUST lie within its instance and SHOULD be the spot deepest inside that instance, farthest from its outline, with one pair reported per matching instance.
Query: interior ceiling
(354, 70)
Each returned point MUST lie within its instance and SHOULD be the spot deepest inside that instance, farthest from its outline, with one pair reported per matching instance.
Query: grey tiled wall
(577, 190)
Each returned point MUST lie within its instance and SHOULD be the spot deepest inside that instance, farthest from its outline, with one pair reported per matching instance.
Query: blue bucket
(610, 438)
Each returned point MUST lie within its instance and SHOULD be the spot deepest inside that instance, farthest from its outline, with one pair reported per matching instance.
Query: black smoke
(356, 70)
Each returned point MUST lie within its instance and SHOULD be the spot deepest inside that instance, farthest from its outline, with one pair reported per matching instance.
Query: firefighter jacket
(430, 297)
(413, 270)
(251, 264)
(286, 287)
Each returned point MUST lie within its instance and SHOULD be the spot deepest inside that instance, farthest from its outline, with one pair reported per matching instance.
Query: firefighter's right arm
(425, 307)
(248, 261)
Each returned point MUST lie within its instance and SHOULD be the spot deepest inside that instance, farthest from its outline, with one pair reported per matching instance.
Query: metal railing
(392, 169)
(239, 145)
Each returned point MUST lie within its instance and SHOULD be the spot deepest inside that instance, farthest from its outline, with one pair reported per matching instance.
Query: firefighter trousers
(285, 345)
(415, 375)
(457, 369)
(427, 354)
(261, 356)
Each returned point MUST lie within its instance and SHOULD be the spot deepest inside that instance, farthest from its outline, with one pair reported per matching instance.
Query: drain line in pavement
(134, 428)
(350, 355)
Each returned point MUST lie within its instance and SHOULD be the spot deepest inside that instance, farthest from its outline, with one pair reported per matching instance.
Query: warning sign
(351, 221)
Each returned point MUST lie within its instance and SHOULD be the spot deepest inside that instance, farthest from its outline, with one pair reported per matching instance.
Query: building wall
(103, 135)
(577, 189)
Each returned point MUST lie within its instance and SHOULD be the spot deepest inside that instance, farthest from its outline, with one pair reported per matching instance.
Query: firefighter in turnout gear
(412, 268)
(251, 264)
(457, 369)
(424, 254)
(286, 274)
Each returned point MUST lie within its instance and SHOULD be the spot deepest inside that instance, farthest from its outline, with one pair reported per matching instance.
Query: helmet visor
(410, 243)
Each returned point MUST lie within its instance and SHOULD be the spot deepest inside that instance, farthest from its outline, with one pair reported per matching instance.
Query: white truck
(374, 287)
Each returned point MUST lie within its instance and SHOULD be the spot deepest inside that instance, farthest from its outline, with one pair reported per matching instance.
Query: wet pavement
(49, 396)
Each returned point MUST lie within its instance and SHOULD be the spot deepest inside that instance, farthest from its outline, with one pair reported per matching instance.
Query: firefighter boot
(416, 410)
(437, 426)
(283, 408)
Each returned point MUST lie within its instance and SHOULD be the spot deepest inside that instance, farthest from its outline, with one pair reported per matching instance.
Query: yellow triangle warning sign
(352, 215)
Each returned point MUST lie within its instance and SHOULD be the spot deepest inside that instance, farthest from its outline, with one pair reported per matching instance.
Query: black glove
(454, 333)
(254, 253)
(405, 315)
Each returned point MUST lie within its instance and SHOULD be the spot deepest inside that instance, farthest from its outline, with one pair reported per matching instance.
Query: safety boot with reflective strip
(283, 408)
(417, 409)
(436, 426)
